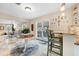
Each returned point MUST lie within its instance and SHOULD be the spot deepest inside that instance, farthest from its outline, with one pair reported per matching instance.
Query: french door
(41, 30)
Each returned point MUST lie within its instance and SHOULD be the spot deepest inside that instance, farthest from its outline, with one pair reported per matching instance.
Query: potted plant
(25, 30)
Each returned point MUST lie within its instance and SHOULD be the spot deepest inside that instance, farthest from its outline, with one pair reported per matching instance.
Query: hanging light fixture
(62, 9)
(18, 4)
(24, 7)
(63, 14)
(27, 8)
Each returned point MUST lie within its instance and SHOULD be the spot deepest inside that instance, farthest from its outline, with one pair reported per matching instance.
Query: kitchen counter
(68, 44)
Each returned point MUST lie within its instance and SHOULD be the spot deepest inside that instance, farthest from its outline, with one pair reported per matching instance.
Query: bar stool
(52, 41)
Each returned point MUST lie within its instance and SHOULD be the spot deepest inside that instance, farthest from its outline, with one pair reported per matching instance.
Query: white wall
(9, 21)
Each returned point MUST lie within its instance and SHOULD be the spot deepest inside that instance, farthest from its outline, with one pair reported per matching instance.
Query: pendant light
(62, 9)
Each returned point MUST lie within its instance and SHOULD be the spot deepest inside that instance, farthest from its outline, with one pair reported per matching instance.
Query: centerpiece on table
(26, 33)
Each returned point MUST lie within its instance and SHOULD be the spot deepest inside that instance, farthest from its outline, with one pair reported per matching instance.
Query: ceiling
(37, 9)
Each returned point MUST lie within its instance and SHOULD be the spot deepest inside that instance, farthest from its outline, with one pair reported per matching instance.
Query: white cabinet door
(76, 50)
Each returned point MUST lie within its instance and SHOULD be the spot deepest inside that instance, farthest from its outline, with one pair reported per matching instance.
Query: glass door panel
(41, 30)
(45, 26)
(39, 33)
(44, 34)
(39, 26)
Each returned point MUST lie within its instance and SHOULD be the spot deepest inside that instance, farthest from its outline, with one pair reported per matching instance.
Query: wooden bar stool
(52, 41)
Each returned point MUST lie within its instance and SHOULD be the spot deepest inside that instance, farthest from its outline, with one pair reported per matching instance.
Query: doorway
(41, 30)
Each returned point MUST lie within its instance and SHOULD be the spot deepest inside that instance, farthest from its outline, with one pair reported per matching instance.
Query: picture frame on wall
(32, 27)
